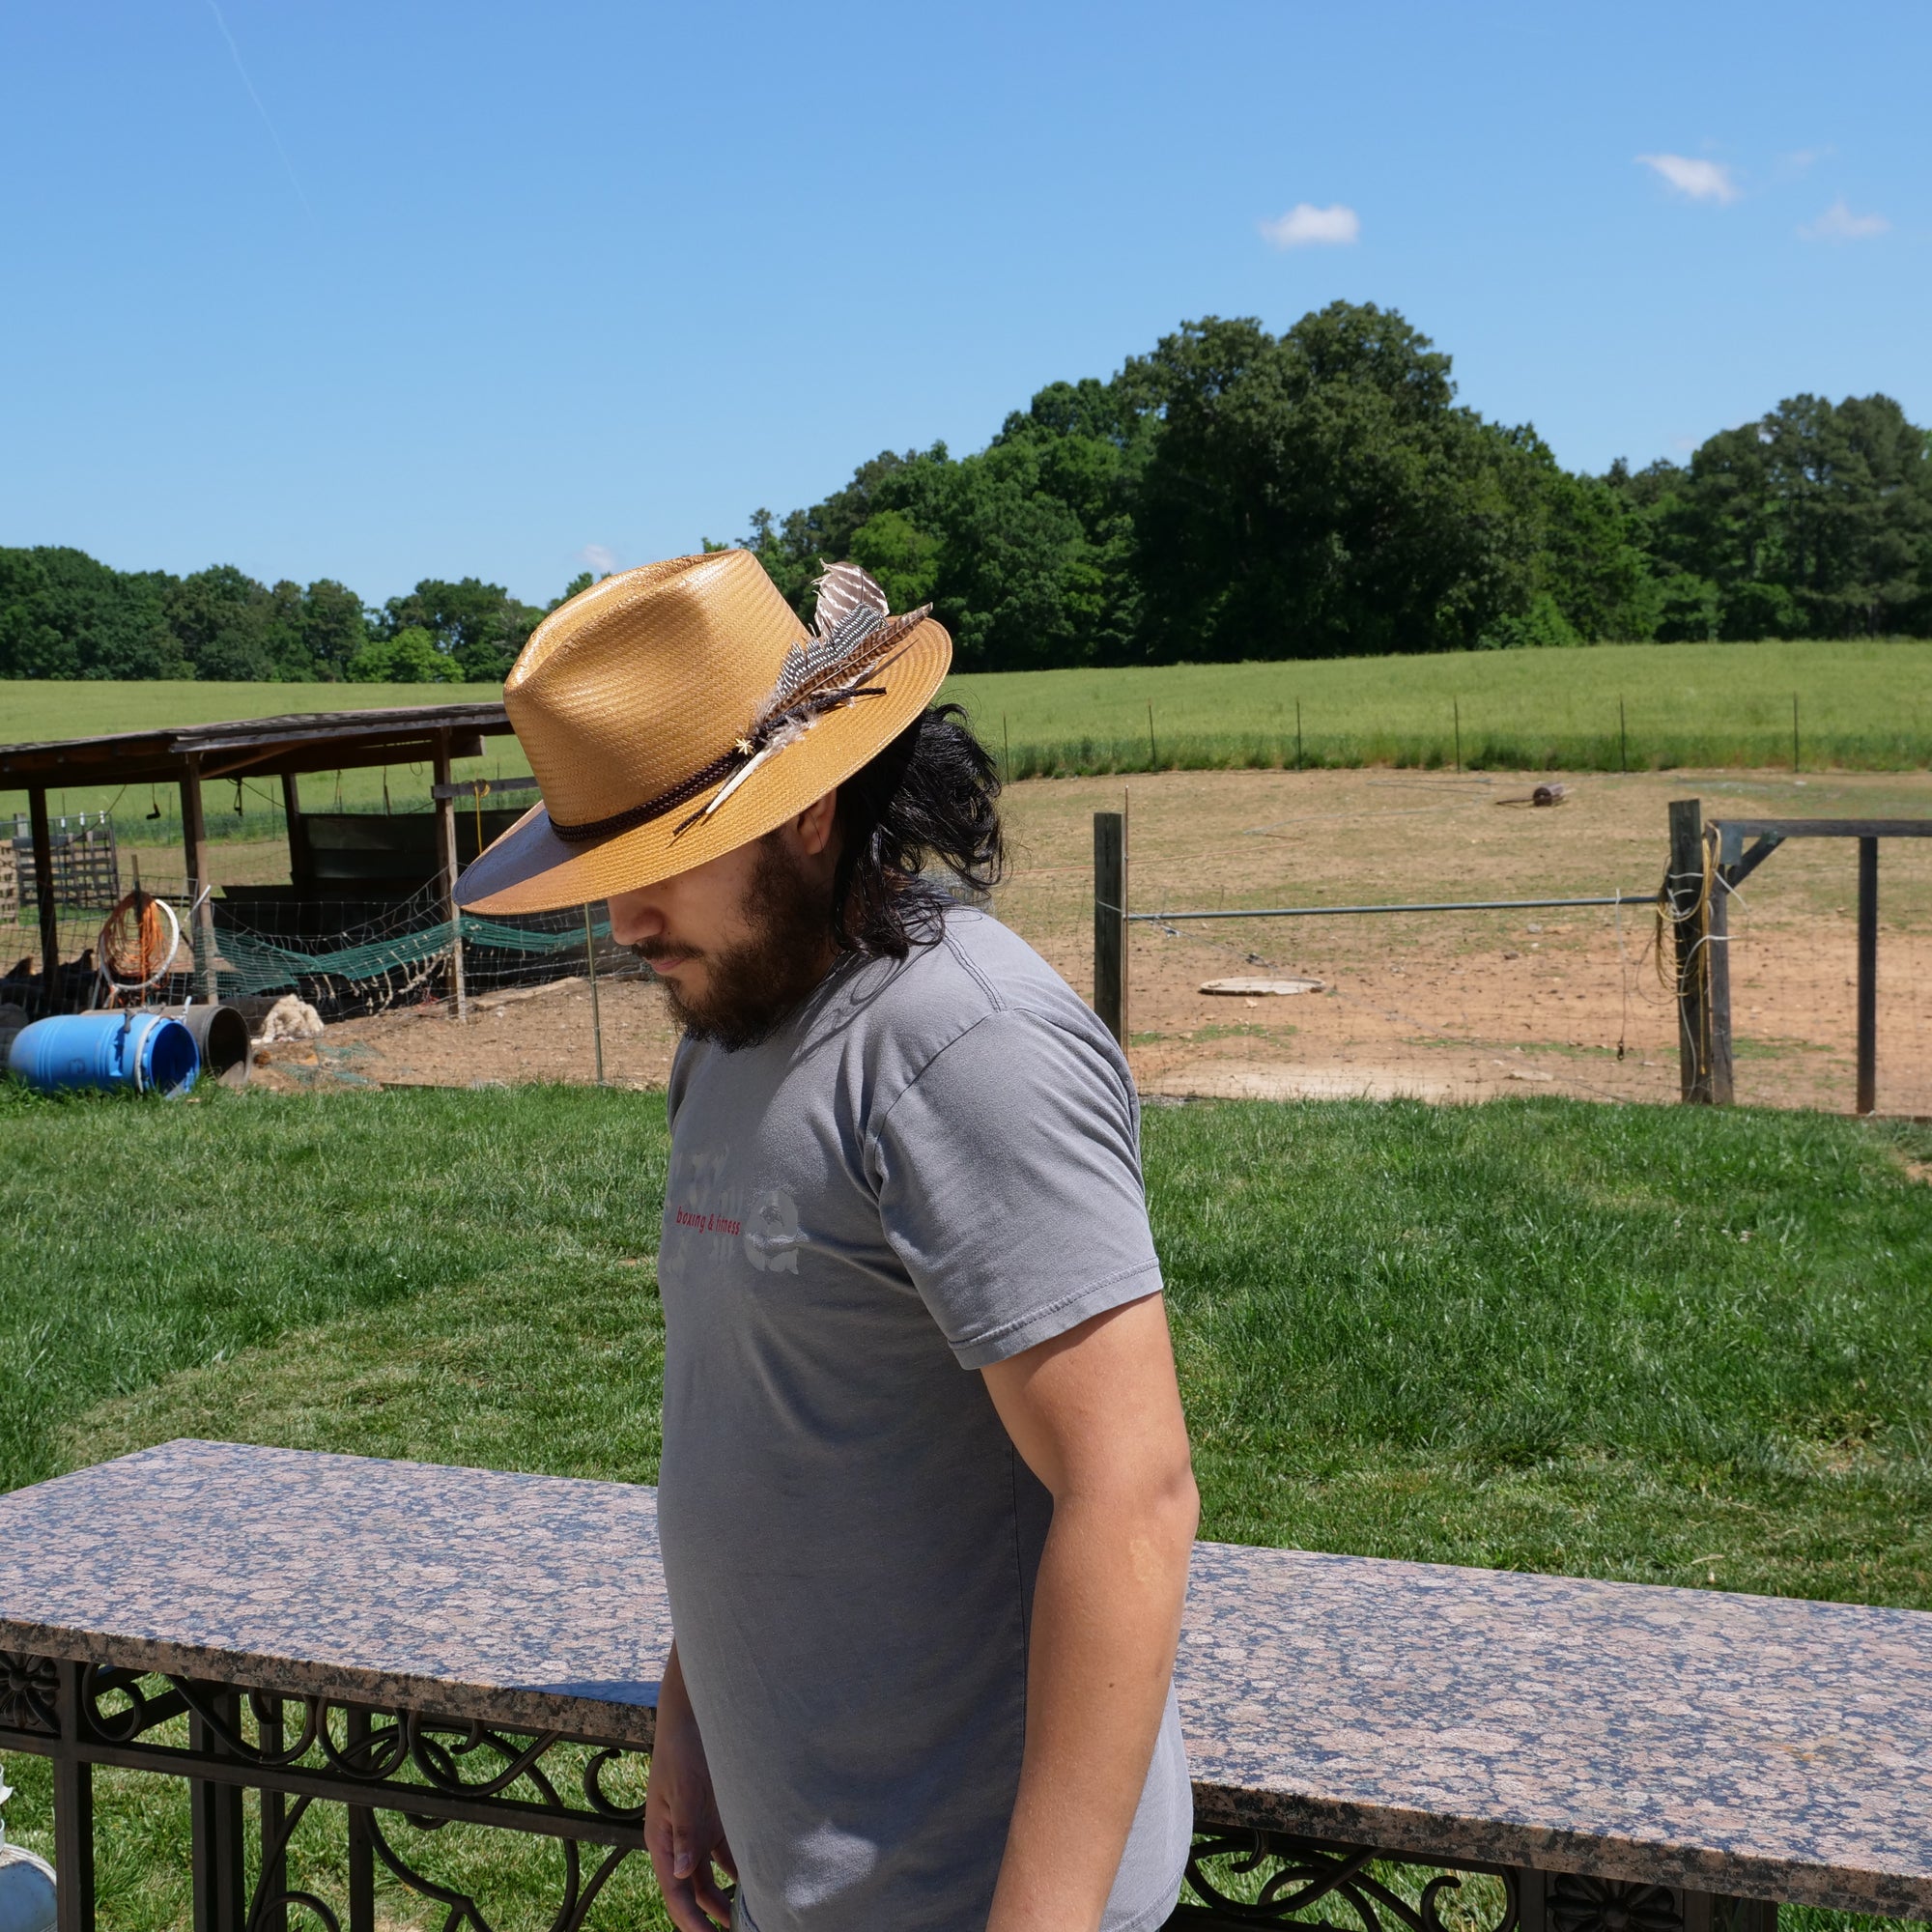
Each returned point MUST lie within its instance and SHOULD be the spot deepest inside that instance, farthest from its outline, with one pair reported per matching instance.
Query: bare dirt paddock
(1444, 1007)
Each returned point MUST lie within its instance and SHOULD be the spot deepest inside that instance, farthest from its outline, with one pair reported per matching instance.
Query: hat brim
(530, 868)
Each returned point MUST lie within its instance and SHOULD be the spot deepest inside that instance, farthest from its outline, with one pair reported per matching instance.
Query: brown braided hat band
(673, 713)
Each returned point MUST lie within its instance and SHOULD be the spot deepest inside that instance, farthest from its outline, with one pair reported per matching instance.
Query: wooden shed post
(445, 852)
(291, 813)
(44, 897)
(200, 890)
(1109, 923)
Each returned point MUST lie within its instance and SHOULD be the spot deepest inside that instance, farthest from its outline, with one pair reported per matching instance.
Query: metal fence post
(446, 863)
(1720, 1075)
(1109, 923)
(1867, 1102)
(590, 967)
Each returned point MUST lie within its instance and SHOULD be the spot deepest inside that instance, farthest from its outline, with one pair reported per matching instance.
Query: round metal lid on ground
(1254, 988)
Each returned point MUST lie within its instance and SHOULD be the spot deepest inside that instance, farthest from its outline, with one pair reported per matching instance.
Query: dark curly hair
(932, 797)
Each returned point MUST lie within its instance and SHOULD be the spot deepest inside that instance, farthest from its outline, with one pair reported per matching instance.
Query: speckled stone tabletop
(525, 1600)
(1756, 1746)
(1747, 1744)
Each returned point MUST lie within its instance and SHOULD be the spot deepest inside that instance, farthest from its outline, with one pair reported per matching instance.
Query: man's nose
(633, 922)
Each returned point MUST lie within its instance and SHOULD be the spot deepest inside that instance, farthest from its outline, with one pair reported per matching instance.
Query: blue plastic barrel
(146, 1052)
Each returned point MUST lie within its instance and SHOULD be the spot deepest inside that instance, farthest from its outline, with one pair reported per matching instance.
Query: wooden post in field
(1703, 965)
(200, 888)
(445, 854)
(1109, 923)
(1867, 1102)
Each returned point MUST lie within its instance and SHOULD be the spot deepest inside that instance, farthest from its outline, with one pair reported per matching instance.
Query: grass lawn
(1864, 706)
(1669, 1344)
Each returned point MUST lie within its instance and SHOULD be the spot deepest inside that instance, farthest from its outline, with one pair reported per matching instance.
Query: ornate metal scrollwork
(1575, 1903)
(427, 1771)
(29, 1690)
(274, 1895)
(1297, 1875)
(465, 1914)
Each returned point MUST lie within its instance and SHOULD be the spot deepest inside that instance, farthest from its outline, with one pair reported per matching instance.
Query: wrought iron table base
(1299, 1879)
(430, 1771)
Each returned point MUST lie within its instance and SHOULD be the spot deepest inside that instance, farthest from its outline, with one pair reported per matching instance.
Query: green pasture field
(1672, 1345)
(1864, 706)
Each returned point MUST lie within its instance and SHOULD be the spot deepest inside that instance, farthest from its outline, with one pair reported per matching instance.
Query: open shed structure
(192, 755)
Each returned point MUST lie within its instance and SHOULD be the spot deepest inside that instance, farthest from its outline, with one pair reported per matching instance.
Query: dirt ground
(1452, 1006)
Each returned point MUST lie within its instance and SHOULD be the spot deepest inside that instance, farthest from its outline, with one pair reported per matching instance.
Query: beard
(754, 988)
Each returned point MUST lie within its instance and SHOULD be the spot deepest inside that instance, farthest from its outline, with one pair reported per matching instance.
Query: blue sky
(385, 291)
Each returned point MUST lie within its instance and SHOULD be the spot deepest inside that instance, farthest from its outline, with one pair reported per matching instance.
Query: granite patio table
(421, 1646)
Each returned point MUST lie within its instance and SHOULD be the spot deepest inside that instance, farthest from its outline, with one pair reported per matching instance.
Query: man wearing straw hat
(925, 1500)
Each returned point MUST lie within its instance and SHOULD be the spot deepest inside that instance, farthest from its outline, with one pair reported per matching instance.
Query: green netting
(253, 964)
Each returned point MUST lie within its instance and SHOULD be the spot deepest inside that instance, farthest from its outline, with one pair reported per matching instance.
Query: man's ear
(814, 825)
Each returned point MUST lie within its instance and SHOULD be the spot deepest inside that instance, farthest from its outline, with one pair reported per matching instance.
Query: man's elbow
(1155, 1500)
(1177, 1505)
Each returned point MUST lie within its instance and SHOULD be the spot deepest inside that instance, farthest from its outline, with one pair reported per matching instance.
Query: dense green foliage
(1814, 522)
(64, 615)
(1231, 495)
(1234, 494)
(1545, 1335)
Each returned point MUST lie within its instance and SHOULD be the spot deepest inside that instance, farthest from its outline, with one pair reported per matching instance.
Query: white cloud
(1838, 223)
(594, 556)
(1695, 180)
(1305, 225)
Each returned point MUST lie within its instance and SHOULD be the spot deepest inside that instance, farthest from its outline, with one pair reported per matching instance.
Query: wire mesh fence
(1419, 987)
(347, 958)
(1793, 977)
(1438, 1006)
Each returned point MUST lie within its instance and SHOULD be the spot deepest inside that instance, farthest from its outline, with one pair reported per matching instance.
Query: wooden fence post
(1867, 1102)
(1109, 923)
(1703, 1025)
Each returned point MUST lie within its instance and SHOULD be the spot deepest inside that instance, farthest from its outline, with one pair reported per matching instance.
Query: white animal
(290, 1018)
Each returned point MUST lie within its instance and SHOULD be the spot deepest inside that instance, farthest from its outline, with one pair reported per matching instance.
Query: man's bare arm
(1096, 1417)
(681, 1829)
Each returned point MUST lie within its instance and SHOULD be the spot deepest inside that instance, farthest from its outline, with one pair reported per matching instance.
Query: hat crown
(647, 678)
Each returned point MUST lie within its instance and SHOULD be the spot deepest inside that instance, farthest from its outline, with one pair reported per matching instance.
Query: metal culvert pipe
(221, 1038)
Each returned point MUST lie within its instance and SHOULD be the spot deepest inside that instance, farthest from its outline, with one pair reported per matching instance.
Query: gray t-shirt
(932, 1166)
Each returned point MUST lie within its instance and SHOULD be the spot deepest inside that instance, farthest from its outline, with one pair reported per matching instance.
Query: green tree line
(64, 615)
(1237, 494)
(1229, 495)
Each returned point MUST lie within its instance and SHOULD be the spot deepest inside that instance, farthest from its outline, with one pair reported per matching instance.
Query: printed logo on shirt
(772, 1238)
(768, 1230)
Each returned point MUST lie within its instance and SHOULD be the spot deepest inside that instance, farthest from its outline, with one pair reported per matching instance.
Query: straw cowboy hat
(676, 712)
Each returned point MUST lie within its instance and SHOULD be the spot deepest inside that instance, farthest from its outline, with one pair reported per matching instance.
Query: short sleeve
(1010, 1186)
